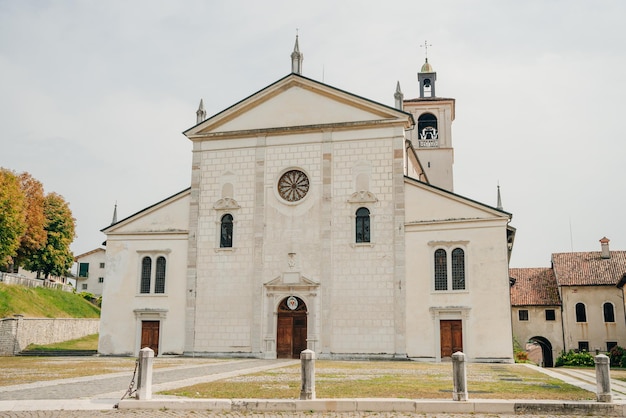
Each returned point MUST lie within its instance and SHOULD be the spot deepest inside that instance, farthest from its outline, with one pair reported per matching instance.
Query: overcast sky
(94, 96)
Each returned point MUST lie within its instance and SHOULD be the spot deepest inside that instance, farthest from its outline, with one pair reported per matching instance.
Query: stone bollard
(603, 378)
(144, 380)
(459, 372)
(307, 359)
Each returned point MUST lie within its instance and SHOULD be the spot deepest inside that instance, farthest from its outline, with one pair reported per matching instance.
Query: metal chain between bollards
(131, 390)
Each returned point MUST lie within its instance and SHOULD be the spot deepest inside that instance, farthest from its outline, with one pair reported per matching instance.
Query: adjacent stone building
(316, 219)
(577, 304)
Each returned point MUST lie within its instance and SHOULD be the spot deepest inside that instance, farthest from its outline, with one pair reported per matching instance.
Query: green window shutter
(83, 270)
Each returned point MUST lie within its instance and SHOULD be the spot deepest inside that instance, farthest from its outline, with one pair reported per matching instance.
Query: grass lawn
(339, 379)
(89, 342)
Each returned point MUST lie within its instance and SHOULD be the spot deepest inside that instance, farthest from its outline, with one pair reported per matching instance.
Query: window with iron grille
(550, 315)
(458, 269)
(449, 269)
(226, 235)
(441, 270)
(583, 346)
(362, 225)
(159, 282)
(146, 274)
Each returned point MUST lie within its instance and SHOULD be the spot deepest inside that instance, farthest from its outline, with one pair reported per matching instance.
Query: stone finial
(399, 97)
(200, 113)
(296, 59)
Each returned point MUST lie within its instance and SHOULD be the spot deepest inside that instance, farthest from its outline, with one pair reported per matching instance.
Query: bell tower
(431, 137)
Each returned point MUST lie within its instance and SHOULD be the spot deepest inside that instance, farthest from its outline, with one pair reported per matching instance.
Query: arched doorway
(291, 330)
(546, 350)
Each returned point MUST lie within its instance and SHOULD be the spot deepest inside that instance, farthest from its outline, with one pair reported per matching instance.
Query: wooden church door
(150, 335)
(291, 330)
(451, 332)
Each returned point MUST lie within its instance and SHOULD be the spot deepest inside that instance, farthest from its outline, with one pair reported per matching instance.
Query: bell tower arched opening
(427, 128)
(291, 328)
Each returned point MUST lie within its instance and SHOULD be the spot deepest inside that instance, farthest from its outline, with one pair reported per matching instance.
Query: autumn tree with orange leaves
(12, 215)
(36, 230)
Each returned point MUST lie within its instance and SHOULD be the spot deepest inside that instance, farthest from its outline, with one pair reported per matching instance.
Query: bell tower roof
(427, 68)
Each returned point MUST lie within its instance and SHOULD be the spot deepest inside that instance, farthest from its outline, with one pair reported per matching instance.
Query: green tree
(54, 257)
(12, 219)
(34, 236)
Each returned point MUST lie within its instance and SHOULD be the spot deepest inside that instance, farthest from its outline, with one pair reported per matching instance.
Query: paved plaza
(97, 396)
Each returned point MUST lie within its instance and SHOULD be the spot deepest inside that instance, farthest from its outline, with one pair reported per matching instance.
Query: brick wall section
(17, 333)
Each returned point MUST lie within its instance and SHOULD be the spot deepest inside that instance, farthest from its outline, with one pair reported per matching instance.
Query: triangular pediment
(430, 204)
(291, 280)
(170, 215)
(297, 102)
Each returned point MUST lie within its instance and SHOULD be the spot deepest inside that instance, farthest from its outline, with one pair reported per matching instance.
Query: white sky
(94, 96)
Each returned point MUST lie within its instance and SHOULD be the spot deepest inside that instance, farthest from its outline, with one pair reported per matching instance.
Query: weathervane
(425, 46)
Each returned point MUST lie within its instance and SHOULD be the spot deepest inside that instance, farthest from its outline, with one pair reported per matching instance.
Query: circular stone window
(293, 185)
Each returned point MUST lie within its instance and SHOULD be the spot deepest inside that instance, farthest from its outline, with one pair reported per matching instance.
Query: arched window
(146, 273)
(609, 312)
(581, 312)
(226, 235)
(159, 280)
(458, 269)
(362, 225)
(441, 270)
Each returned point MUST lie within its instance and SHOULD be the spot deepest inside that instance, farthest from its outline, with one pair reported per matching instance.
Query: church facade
(315, 219)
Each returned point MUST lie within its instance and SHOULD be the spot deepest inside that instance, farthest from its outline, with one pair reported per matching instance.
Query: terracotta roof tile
(534, 286)
(588, 268)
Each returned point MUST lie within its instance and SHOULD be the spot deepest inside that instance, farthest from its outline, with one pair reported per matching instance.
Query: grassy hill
(39, 302)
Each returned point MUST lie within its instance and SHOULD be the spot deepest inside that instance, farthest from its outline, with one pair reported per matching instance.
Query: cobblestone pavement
(197, 414)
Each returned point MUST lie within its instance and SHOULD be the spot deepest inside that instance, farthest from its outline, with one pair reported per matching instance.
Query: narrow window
(226, 236)
(146, 272)
(583, 346)
(100, 279)
(458, 269)
(550, 315)
(441, 270)
(159, 280)
(523, 315)
(581, 313)
(362, 225)
(609, 312)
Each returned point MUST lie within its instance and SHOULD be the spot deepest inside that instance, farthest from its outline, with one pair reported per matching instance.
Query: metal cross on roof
(425, 46)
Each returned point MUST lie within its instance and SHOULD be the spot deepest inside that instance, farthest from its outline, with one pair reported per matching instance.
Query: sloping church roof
(146, 210)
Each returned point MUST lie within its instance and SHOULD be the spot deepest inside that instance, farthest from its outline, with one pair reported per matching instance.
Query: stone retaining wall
(17, 333)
